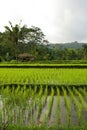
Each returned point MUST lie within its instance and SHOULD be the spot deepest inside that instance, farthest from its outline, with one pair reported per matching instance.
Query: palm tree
(16, 34)
(29, 36)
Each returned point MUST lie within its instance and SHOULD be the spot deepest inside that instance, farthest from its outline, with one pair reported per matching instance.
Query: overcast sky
(60, 20)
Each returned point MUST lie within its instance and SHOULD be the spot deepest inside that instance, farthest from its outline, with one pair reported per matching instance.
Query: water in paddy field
(33, 115)
(1, 103)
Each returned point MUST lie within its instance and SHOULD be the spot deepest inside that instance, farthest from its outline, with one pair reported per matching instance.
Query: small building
(26, 57)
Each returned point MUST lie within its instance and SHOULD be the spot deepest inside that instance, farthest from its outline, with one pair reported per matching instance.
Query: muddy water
(1, 103)
(44, 113)
(53, 120)
(63, 111)
(74, 115)
(84, 112)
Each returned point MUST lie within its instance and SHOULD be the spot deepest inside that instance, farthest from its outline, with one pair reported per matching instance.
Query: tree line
(20, 39)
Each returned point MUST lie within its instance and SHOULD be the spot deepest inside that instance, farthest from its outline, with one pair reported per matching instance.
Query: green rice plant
(68, 105)
(83, 91)
(15, 99)
(58, 105)
(40, 101)
(78, 104)
(44, 96)
(83, 102)
(43, 76)
(51, 98)
(41, 91)
(39, 108)
(1, 107)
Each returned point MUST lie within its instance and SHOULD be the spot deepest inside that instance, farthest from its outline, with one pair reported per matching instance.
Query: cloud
(60, 20)
(73, 21)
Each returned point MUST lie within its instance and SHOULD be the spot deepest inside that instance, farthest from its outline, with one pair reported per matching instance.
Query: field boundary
(49, 87)
(43, 85)
(82, 66)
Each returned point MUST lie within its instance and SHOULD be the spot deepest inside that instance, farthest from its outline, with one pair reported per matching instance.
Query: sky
(60, 20)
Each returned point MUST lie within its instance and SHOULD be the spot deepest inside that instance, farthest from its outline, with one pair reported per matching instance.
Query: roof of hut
(25, 55)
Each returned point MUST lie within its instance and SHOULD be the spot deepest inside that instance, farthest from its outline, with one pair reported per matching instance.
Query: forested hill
(73, 45)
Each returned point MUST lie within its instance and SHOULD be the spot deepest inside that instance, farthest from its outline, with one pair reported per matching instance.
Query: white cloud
(60, 20)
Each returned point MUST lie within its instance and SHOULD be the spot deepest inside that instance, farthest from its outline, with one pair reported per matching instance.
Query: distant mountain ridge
(72, 45)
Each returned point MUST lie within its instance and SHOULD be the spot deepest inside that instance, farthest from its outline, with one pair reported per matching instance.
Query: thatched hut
(26, 57)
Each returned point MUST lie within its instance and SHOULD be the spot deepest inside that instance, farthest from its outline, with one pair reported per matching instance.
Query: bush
(1, 59)
(13, 61)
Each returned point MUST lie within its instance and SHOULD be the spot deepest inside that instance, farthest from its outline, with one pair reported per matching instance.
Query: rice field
(25, 106)
(43, 76)
(36, 105)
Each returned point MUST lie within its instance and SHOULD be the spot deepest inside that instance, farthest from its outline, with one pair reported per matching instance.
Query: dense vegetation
(19, 42)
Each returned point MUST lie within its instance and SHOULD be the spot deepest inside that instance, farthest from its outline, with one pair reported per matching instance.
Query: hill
(73, 45)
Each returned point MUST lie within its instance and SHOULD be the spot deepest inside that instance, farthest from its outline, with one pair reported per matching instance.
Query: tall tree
(85, 50)
(15, 34)
(36, 37)
(31, 37)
